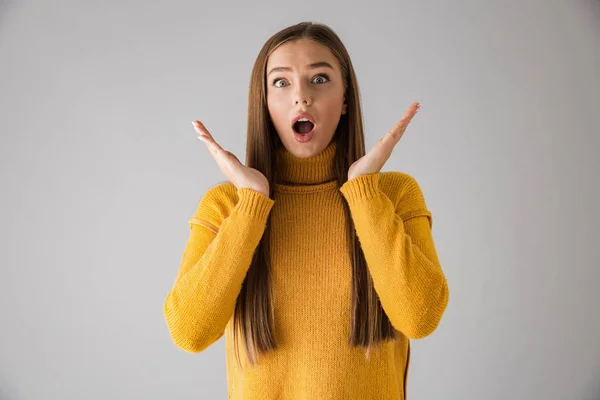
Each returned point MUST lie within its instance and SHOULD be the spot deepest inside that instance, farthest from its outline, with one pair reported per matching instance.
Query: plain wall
(101, 170)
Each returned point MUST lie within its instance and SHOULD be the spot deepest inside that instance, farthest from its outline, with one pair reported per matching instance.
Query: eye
(274, 82)
(324, 76)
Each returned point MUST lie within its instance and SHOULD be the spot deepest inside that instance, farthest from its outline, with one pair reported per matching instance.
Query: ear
(344, 107)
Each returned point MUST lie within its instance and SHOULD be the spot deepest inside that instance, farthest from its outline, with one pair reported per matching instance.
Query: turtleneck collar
(305, 171)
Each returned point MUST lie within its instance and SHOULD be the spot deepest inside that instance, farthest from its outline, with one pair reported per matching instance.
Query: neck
(305, 171)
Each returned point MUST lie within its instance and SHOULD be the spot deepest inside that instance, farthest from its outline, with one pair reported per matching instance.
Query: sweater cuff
(360, 188)
(253, 203)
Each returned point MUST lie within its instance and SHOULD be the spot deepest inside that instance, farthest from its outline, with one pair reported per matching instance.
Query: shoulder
(401, 186)
(405, 193)
(215, 205)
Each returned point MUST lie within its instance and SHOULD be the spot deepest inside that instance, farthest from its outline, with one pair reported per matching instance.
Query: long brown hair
(253, 316)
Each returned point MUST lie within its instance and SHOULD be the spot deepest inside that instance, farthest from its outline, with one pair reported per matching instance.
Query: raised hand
(374, 160)
(237, 173)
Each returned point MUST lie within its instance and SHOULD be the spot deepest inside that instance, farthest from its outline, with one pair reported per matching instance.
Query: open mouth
(303, 127)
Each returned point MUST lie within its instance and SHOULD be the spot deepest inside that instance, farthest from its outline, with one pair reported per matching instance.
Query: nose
(302, 96)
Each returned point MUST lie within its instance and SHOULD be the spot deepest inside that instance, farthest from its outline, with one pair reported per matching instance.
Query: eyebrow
(309, 66)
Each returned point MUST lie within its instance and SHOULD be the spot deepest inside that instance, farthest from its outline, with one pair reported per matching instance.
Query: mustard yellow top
(311, 278)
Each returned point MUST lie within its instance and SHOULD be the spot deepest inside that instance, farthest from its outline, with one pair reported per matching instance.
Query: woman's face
(294, 87)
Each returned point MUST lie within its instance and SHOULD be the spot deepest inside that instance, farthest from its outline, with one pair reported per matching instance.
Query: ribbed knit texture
(311, 279)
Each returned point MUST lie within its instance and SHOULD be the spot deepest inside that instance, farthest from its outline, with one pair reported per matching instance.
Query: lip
(303, 115)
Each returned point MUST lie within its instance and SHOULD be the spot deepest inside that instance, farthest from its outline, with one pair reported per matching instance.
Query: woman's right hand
(237, 173)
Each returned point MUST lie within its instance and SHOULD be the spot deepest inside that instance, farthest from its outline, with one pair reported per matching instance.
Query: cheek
(331, 108)
(279, 113)
(276, 109)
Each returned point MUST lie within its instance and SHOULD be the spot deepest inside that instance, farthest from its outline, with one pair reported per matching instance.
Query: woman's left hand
(374, 160)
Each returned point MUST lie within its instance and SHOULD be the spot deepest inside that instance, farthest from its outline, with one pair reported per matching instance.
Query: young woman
(318, 267)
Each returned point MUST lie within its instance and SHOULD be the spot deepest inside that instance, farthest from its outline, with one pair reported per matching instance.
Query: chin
(309, 149)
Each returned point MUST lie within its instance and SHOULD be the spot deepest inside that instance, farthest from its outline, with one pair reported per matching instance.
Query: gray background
(101, 170)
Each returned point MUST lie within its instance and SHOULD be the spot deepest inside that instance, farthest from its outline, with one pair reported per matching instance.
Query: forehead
(298, 54)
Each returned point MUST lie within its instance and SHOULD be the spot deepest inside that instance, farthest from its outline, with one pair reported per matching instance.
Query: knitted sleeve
(395, 234)
(224, 234)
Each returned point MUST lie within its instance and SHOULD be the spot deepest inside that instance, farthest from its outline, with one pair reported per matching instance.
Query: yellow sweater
(311, 278)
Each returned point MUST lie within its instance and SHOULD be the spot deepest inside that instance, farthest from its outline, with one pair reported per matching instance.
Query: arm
(400, 254)
(214, 265)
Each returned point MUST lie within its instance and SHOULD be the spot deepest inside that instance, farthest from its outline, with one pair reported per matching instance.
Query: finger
(225, 159)
(214, 148)
(206, 137)
(222, 156)
(407, 117)
(203, 133)
(201, 129)
(395, 134)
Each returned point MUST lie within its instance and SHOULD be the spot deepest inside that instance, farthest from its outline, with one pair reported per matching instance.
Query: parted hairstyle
(253, 315)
